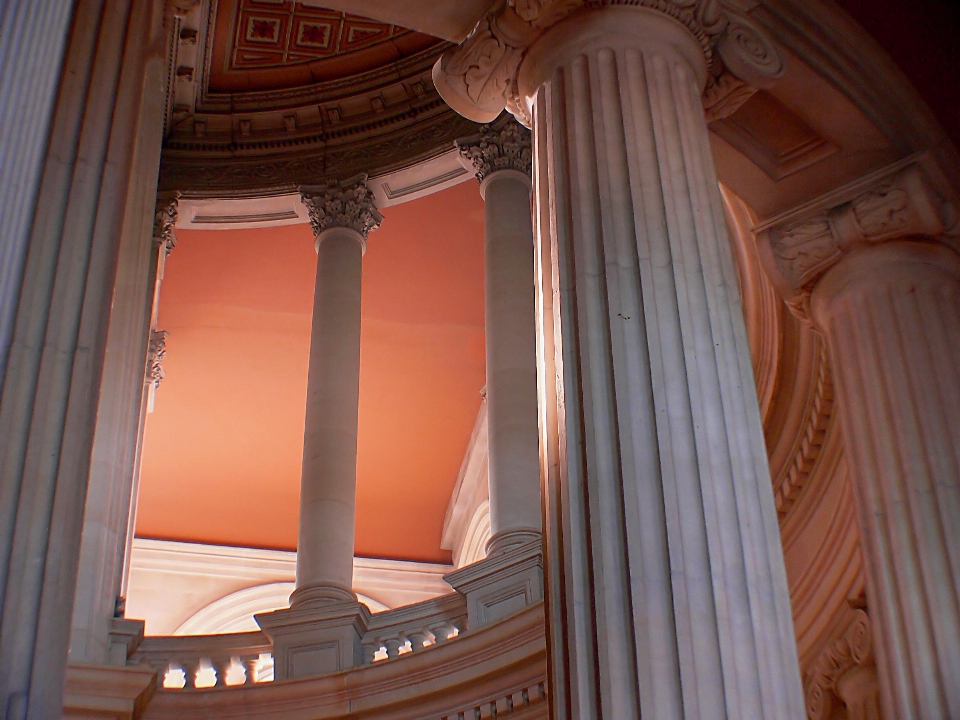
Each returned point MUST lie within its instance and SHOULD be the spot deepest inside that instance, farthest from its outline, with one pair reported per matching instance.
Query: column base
(310, 639)
(501, 584)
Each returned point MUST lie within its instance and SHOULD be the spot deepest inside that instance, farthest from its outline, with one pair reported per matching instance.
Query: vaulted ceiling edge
(252, 112)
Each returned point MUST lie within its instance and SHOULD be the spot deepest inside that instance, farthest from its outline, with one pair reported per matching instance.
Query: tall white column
(667, 593)
(324, 612)
(116, 62)
(867, 270)
(501, 160)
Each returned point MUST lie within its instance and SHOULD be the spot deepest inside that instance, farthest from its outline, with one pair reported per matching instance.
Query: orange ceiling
(221, 458)
(276, 44)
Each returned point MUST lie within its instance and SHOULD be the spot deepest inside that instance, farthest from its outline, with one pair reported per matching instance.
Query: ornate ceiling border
(234, 145)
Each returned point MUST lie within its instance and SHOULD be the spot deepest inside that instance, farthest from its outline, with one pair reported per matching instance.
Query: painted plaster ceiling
(222, 449)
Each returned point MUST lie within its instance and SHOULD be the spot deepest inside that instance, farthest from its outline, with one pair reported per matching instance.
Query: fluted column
(501, 160)
(667, 592)
(868, 271)
(92, 175)
(111, 490)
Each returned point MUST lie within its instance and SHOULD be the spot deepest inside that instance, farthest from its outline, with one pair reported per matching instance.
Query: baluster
(393, 644)
(250, 669)
(369, 650)
(190, 670)
(221, 666)
(418, 639)
(441, 631)
(162, 668)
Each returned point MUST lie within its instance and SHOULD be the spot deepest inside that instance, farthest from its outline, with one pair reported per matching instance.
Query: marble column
(33, 39)
(501, 160)
(667, 595)
(93, 174)
(511, 576)
(324, 612)
(875, 268)
(108, 520)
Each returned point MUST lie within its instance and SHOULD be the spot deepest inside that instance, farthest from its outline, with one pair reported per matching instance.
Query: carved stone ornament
(509, 148)
(851, 652)
(892, 204)
(156, 351)
(164, 219)
(348, 204)
(479, 77)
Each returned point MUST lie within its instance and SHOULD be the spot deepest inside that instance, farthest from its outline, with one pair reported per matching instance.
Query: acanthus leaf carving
(165, 218)
(348, 204)
(851, 653)
(156, 352)
(509, 148)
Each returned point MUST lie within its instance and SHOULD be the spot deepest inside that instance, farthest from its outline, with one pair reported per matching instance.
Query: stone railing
(495, 671)
(413, 627)
(206, 660)
(189, 662)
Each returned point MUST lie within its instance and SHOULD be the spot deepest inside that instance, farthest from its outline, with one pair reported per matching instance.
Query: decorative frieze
(165, 218)
(347, 204)
(479, 78)
(509, 148)
(895, 203)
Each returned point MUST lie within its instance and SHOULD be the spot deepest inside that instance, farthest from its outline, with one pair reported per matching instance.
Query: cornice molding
(479, 77)
(895, 202)
(509, 147)
(378, 150)
(347, 204)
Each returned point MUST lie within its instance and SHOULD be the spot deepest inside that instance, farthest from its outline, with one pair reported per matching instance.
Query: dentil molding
(478, 78)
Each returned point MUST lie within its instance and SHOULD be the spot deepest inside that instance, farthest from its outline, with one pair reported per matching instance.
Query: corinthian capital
(347, 204)
(164, 218)
(897, 202)
(508, 148)
(478, 78)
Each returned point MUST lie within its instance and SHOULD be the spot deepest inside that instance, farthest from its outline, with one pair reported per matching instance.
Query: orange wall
(221, 461)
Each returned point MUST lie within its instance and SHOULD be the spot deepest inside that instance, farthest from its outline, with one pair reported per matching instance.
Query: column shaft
(891, 314)
(329, 476)
(514, 454)
(48, 408)
(669, 596)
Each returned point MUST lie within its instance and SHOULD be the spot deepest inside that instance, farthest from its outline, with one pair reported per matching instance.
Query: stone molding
(111, 693)
(896, 202)
(156, 352)
(852, 651)
(478, 78)
(507, 148)
(165, 218)
(347, 204)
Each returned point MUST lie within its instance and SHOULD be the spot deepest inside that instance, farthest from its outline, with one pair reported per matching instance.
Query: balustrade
(246, 658)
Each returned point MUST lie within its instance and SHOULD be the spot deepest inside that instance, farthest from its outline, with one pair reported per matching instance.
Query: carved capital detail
(895, 203)
(509, 148)
(165, 218)
(347, 204)
(478, 78)
(852, 652)
(156, 351)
